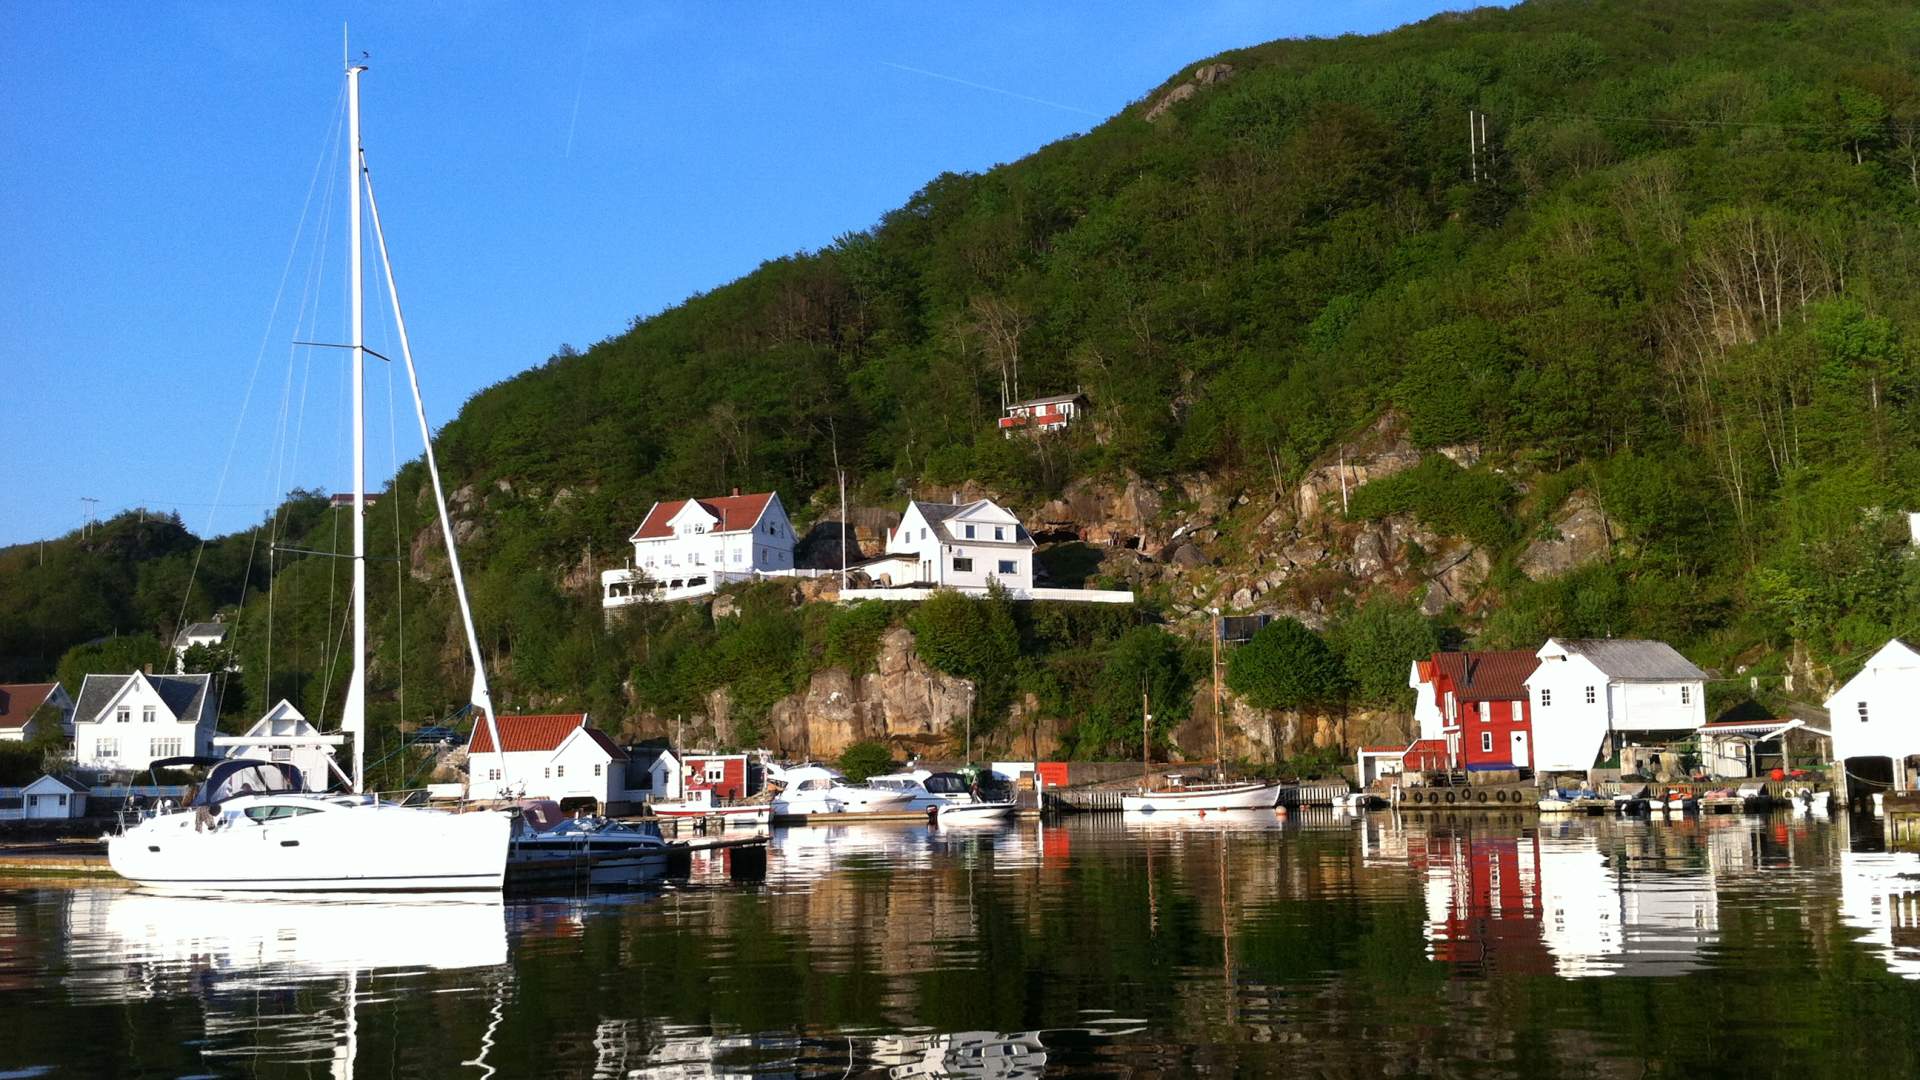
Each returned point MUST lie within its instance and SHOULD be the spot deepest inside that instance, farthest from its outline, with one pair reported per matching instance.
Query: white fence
(1076, 596)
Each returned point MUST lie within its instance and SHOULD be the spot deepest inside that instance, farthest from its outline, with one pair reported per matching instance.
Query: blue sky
(547, 173)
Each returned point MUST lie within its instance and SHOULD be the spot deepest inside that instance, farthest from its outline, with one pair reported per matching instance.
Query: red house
(1484, 707)
(723, 774)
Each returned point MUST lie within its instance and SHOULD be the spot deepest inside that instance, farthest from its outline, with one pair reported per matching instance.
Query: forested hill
(1679, 279)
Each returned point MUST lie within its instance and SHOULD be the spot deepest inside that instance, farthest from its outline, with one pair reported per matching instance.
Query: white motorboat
(970, 813)
(1810, 802)
(251, 828)
(699, 804)
(926, 789)
(1182, 796)
(816, 789)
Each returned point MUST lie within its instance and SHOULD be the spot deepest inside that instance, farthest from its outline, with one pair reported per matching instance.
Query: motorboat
(1358, 801)
(252, 828)
(699, 804)
(546, 844)
(971, 813)
(1680, 802)
(1810, 801)
(1178, 795)
(816, 789)
(1556, 802)
(1629, 804)
(925, 788)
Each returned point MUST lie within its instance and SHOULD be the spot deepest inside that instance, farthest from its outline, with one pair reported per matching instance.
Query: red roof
(524, 733)
(1437, 746)
(1486, 676)
(736, 513)
(18, 700)
(1383, 749)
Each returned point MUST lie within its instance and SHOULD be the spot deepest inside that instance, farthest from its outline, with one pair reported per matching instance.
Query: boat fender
(1481, 798)
(1451, 797)
(1500, 796)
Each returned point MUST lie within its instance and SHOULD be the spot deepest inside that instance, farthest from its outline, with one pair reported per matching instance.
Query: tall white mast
(354, 717)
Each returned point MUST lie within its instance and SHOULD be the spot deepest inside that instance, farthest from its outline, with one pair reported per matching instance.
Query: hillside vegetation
(1685, 285)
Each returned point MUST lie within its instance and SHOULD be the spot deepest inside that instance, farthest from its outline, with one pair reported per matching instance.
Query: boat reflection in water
(141, 946)
(966, 1053)
(1549, 900)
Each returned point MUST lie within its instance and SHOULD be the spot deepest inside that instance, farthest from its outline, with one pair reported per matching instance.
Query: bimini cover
(245, 776)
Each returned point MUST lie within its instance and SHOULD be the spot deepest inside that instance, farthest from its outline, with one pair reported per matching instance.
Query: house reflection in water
(1880, 895)
(1548, 899)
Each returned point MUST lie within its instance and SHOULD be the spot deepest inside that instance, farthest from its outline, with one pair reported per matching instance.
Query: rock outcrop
(1581, 534)
(902, 701)
(1203, 76)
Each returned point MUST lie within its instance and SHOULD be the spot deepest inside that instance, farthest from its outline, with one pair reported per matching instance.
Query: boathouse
(1593, 696)
(1875, 718)
(52, 797)
(1478, 703)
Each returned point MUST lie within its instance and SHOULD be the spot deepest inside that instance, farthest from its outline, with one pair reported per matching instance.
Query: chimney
(147, 667)
(955, 497)
(736, 493)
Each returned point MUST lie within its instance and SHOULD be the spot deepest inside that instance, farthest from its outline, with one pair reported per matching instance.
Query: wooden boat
(1181, 796)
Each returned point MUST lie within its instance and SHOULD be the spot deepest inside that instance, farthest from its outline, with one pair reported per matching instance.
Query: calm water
(1323, 946)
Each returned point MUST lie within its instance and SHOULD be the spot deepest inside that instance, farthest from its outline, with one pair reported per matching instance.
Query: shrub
(864, 759)
(1444, 497)
(1286, 666)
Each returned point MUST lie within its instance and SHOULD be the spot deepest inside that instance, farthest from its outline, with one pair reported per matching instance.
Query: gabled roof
(184, 695)
(216, 630)
(1487, 676)
(935, 513)
(1426, 746)
(645, 756)
(522, 734)
(18, 700)
(67, 782)
(733, 513)
(1075, 396)
(1631, 660)
(601, 739)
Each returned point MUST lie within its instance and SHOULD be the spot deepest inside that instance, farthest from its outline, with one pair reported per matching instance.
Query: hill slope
(1680, 294)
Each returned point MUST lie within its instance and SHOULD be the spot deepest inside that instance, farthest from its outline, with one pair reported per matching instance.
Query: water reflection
(1230, 945)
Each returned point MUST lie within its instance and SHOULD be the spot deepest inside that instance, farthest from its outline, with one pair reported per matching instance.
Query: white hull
(1235, 797)
(840, 800)
(753, 815)
(358, 848)
(970, 813)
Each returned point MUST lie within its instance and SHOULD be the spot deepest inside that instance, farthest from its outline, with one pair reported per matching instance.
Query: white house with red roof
(689, 547)
(558, 756)
(18, 703)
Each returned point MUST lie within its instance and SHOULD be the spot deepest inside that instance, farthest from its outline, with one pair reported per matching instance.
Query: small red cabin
(723, 774)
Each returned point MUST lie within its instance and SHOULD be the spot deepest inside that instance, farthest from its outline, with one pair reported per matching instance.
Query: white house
(18, 703)
(689, 547)
(201, 633)
(284, 734)
(964, 547)
(54, 797)
(653, 774)
(130, 721)
(1427, 713)
(562, 757)
(1588, 692)
(1876, 714)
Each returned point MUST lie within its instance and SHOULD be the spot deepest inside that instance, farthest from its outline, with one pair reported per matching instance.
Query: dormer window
(122, 714)
(969, 530)
(146, 714)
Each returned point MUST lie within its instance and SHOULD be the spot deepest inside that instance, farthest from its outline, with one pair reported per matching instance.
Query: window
(739, 556)
(716, 772)
(961, 565)
(146, 714)
(1486, 742)
(923, 534)
(547, 773)
(1546, 697)
(1863, 712)
(1589, 695)
(969, 530)
(161, 748)
(493, 774)
(1686, 695)
(1007, 566)
(559, 771)
(122, 715)
(107, 748)
(596, 769)
(999, 533)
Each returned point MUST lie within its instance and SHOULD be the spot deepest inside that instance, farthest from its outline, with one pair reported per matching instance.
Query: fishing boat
(1177, 795)
(816, 789)
(699, 804)
(251, 827)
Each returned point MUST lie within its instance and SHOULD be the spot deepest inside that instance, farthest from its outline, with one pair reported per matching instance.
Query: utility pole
(1473, 145)
(1146, 739)
(843, 527)
(1219, 757)
(87, 503)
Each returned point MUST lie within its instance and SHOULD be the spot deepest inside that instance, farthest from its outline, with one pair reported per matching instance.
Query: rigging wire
(246, 402)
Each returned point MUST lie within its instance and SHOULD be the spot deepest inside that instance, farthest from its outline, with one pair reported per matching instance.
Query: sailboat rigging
(252, 826)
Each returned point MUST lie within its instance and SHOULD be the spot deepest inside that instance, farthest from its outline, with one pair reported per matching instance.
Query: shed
(54, 797)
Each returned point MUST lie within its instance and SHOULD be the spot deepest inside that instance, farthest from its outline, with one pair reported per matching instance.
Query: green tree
(864, 759)
(1146, 667)
(1286, 666)
(972, 638)
(1377, 644)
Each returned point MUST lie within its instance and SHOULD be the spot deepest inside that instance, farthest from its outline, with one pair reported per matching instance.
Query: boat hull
(757, 815)
(372, 849)
(970, 813)
(1237, 797)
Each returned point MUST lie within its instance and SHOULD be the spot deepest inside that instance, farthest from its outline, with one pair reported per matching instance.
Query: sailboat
(252, 827)
(1177, 794)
